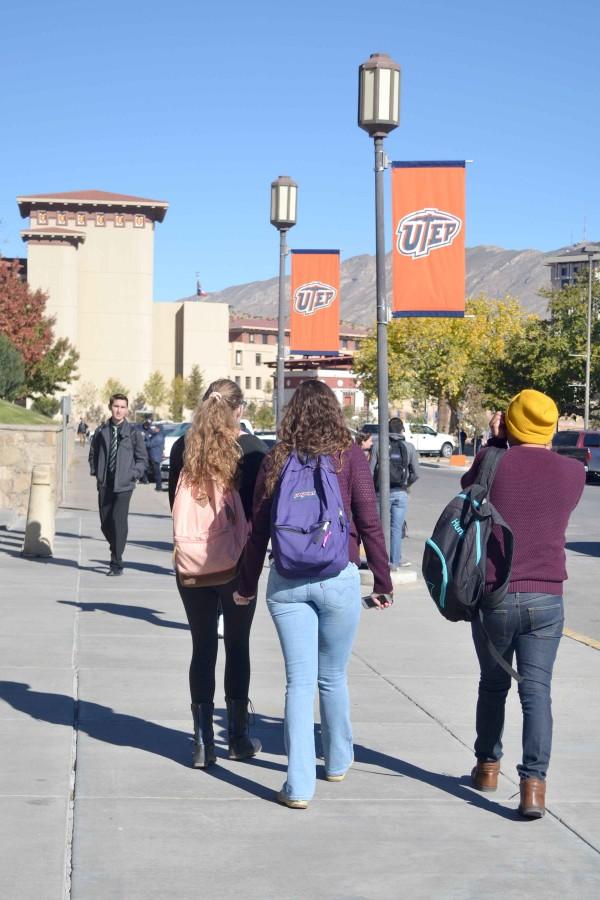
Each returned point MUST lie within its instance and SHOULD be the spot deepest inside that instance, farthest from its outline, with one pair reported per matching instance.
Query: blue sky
(204, 105)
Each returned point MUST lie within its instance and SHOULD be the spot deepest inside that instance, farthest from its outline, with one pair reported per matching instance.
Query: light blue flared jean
(316, 621)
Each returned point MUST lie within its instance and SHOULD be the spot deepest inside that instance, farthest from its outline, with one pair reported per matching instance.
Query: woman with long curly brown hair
(316, 617)
(216, 454)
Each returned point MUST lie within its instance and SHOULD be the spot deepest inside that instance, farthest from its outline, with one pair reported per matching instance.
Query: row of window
(82, 218)
(248, 380)
(261, 338)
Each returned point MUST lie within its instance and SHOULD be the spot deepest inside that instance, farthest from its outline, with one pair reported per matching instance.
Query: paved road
(98, 802)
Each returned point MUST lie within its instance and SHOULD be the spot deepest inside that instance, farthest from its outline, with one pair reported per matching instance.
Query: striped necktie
(112, 453)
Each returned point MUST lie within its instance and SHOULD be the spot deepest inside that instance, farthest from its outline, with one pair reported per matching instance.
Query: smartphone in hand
(369, 603)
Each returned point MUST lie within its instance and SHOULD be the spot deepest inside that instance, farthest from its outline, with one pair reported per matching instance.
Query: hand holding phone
(377, 601)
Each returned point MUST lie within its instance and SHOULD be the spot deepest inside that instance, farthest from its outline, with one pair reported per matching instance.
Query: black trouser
(202, 610)
(155, 463)
(114, 509)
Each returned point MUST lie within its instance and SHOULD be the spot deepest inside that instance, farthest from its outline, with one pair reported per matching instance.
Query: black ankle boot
(204, 736)
(241, 745)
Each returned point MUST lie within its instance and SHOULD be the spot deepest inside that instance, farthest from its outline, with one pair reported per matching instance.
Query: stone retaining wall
(21, 448)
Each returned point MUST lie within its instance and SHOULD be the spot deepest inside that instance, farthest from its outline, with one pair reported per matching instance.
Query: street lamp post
(591, 255)
(284, 196)
(378, 114)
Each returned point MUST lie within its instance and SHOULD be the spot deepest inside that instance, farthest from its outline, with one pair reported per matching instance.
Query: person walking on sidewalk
(316, 616)
(404, 471)
(535, 490)
(155, 445)
(117, 459)
(216, 450)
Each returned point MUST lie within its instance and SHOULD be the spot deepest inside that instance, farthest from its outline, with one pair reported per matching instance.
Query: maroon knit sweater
(535, 491)
(360, 505)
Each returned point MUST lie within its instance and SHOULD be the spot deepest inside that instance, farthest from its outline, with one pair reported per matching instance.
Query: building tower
(92, 252)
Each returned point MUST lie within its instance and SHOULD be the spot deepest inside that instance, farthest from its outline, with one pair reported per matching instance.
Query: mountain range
(490, 270)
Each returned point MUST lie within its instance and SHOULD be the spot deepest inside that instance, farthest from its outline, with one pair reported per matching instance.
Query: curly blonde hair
(212, 452)
(313, 424)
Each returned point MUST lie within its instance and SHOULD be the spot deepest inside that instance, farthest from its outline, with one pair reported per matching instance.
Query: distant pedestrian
(117, 459)
(317, 475)
(462, 440)
(404, 471)
(535, 491)
(155, 445)
(82, 431)
(217, 457)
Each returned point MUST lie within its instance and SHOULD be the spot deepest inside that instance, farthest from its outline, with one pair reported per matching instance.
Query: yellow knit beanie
(531, 417)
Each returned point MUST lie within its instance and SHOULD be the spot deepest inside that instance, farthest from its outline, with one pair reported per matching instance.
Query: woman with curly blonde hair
(316, 617)
(215, 452)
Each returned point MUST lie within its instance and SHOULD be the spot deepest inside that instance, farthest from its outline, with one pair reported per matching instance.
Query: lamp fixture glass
(284, 195)
(379, 95)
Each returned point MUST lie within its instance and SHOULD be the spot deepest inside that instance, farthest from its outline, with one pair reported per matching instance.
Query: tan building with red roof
(93, 253)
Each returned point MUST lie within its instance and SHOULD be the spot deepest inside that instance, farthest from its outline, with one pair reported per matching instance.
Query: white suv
(428, 441)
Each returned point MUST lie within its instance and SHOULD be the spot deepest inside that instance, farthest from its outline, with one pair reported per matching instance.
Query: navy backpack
(309, 529)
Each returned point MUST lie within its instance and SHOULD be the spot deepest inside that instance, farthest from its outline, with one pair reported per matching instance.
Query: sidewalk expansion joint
(445, 727)
(70, 818)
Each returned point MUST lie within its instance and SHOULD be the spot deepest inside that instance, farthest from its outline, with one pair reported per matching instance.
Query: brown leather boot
(485, 775)
(533, 798)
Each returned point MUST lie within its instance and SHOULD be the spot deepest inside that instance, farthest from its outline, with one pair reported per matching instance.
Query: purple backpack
(309, 529)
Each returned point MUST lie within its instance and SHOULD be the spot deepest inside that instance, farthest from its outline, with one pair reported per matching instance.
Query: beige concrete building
(93, 253)
(191, 332)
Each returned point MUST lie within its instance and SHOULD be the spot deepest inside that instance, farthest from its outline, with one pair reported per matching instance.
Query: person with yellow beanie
(535, 491)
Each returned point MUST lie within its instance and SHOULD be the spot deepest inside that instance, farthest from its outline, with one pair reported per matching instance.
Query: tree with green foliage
(155, 390)
(54, 371)
(442, 357)
(113, 386)
(177, 398)
(264, 418)
(12, 370)
(550, 354)
(47, 406)
(194, 388)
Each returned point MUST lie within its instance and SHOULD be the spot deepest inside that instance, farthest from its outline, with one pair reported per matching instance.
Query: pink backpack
(210, 531)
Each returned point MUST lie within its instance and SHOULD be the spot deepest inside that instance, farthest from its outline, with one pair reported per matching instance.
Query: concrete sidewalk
(98, 802)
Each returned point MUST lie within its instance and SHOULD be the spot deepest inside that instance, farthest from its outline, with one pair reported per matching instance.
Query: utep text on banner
(315, 315)
(428, 241)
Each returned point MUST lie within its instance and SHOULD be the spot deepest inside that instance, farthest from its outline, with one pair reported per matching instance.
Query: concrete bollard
(39, 530)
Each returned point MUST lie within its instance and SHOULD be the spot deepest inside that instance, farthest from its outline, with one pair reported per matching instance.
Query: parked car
(426, 440)
(581, 445)
(267, 437)
(173, 435)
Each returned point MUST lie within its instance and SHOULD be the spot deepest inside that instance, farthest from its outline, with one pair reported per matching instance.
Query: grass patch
(17, 415)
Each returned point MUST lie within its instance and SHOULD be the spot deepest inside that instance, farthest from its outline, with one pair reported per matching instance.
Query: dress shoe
(291, 804)
(533, 798)
(485, 775)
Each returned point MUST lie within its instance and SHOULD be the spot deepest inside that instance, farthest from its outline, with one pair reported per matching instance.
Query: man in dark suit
(117, 459)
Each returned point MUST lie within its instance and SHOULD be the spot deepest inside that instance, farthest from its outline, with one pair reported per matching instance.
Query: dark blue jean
(530, 626)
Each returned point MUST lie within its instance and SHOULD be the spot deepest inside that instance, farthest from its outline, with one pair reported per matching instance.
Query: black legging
(202, 610)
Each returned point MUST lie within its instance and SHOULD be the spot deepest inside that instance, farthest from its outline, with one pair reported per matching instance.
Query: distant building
(565, 267)
(93, 253)
(335, 371)
(253, 353)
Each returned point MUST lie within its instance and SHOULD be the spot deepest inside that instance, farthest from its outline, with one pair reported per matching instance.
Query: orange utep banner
(315, 313)
(428, 249)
